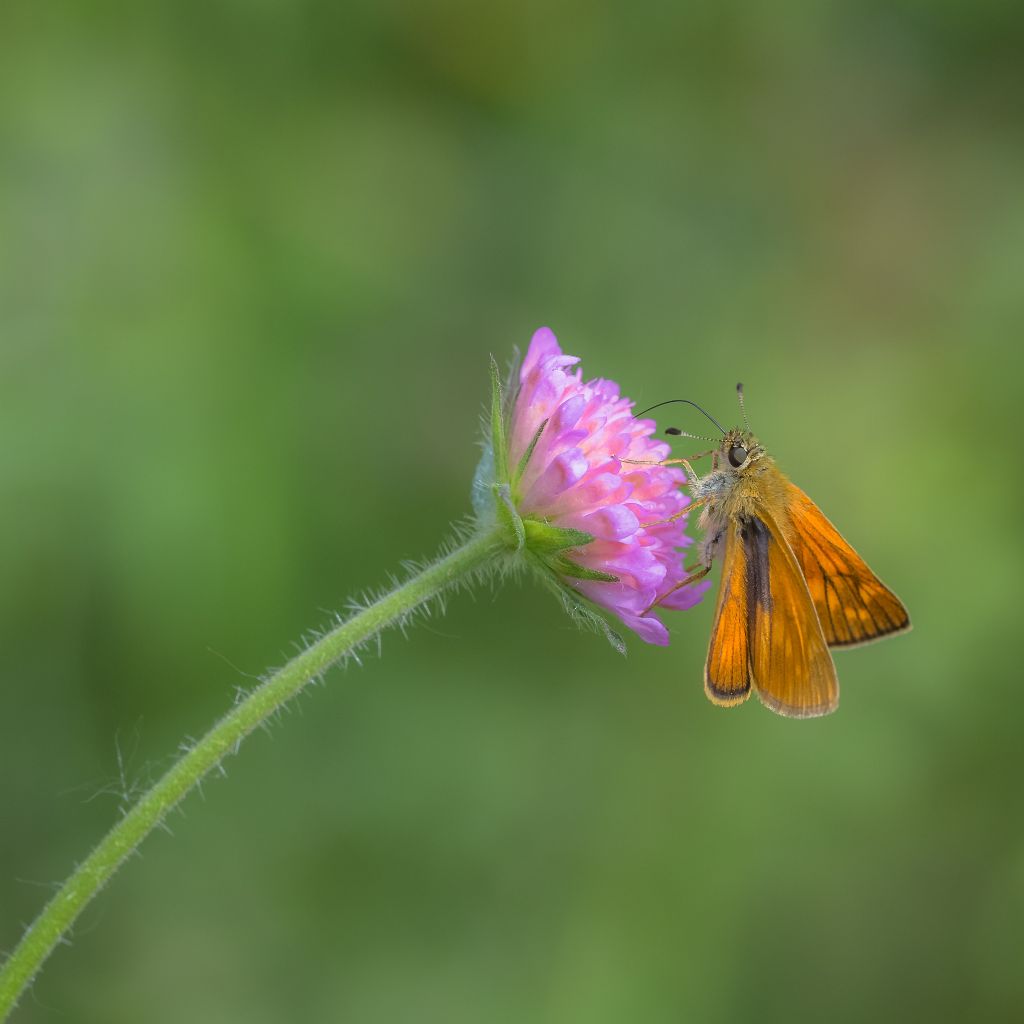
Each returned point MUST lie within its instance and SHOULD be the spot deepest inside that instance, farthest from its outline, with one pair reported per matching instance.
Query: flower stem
(124, 838)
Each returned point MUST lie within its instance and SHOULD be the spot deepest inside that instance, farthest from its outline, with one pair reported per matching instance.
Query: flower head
(567, 445)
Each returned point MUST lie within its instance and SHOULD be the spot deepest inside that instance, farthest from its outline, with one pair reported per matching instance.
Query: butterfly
(791, 586)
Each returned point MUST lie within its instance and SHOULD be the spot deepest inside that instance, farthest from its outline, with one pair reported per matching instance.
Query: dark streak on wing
(756, 539)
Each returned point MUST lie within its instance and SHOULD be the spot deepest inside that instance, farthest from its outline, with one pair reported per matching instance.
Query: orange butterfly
(791, 587)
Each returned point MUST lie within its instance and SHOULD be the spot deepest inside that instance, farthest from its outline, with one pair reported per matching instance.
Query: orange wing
(727, 670)
(853, 604)
(790, 662)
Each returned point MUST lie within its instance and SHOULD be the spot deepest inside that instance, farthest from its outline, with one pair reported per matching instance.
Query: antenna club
(743, 408)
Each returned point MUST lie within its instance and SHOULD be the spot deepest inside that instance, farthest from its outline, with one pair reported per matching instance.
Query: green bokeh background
(253, 259)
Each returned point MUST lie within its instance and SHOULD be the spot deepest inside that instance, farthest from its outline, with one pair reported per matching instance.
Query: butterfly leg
(668, 462)
(652, 462)
(694, 479)
(692, 578)
(696, 503)
(702, 455)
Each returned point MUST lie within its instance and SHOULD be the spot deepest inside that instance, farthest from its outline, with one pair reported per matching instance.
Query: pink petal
(542, 344)
(650, 629)
(596, 491)
(561, 473)
(567, 415)
(611, 523)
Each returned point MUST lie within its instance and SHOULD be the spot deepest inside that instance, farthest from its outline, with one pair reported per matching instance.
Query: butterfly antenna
(684, 401)
(743, 408)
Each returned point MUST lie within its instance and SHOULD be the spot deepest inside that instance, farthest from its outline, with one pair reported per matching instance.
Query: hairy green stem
(124, 838)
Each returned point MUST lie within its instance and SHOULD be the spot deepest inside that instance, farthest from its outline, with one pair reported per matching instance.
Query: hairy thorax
(736, 495)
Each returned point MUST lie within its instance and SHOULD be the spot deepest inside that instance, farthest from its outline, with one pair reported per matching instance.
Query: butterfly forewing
(853, 605)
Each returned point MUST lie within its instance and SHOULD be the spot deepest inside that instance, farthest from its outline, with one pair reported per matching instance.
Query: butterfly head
(739, 450)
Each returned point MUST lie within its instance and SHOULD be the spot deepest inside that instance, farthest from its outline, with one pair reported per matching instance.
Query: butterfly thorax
(745, 478)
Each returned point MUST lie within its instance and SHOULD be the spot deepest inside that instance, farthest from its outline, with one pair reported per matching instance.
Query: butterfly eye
(737, 455)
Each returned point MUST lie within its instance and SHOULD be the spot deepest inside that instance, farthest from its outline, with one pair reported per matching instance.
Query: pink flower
(575, 479)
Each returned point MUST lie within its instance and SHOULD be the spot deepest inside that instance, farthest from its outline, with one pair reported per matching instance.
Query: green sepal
(499, 444)
(525, 460)
(509, 518)
(583, 614)
(544, 538)
(575, 571)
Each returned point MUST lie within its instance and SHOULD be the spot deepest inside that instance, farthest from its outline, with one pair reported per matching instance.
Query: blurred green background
(253, 259)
